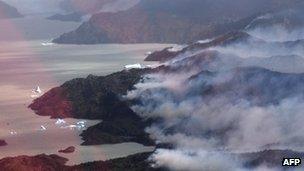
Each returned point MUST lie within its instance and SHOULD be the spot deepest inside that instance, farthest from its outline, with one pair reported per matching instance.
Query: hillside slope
(161, 21)
(7, 11)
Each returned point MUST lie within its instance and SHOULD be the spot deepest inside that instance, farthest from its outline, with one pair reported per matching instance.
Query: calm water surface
(25, 64)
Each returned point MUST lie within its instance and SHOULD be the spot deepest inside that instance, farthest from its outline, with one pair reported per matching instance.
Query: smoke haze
(210, 103)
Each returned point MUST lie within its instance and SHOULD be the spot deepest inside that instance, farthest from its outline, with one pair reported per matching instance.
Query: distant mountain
(88, 6)
(76, 10)
(36, 7)
(162, 21)
(95, 6)
(75, 17)
(7, 11)
(222, 40)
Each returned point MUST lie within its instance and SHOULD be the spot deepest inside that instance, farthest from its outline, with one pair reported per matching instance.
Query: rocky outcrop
(137, 162)
(98, 98)
(2, 143)
(43, 162)
(35, 163)
(94, 97)
(70, 149)
(54, 103)
(162, 55)
(8, 11)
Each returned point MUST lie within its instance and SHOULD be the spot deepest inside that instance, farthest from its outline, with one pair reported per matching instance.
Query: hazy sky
(51, 6)
(35, 6)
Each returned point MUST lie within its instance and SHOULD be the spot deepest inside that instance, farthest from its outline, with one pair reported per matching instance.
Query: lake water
(26, 63)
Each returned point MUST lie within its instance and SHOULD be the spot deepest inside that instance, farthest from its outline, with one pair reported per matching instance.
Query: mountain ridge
(166, 22)
(8, 11)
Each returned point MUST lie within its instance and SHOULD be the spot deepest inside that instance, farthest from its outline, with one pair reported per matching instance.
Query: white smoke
(233, 127)
(185, 160)
(280, 27)
(277, 33)
(254, 127)
(206, 129)
(263, 49)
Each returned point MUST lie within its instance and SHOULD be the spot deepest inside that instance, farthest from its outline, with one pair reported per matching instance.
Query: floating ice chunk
(72, 127)
(42, 128)
(13, 132)
(80, 127)
(36, 92)
(148, 53)
(81, 124)
(60, 121)
(134, 66)
(47, 44)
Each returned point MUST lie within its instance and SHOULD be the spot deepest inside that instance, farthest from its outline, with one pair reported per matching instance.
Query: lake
(27, 61)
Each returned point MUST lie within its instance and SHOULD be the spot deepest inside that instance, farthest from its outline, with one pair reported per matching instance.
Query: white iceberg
(80, 124)
(148, 53)
(47, 44)
(60, 121)
(37, 90)
(42, 128)
(13, 132)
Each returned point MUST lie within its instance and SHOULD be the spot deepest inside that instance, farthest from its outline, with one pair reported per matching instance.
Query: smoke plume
(216, 102)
